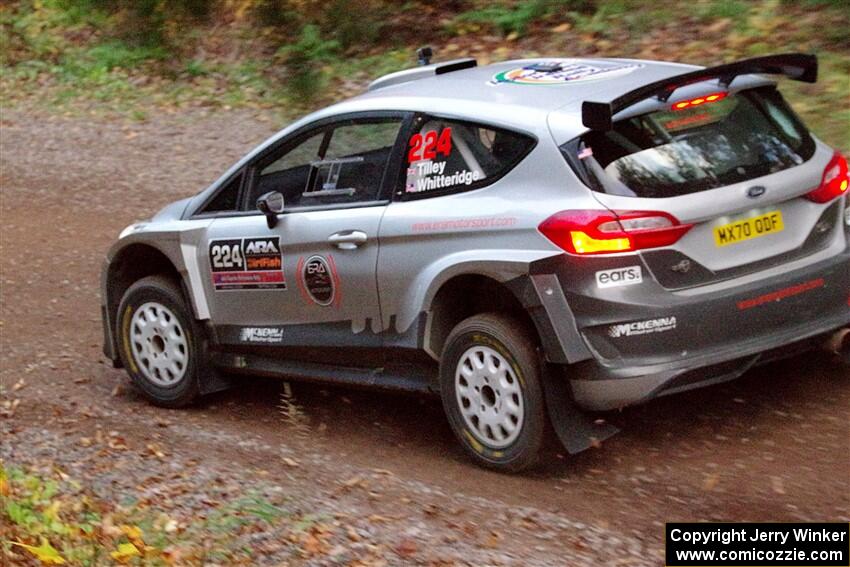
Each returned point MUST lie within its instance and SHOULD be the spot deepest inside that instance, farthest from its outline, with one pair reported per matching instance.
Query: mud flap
(575, 429)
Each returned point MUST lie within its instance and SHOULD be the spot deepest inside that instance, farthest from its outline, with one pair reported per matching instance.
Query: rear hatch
(737, 167)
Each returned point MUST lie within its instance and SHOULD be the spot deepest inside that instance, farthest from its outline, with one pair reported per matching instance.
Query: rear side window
(678, 152)
(448, 156)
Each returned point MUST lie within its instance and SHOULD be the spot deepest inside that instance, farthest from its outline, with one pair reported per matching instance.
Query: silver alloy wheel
(159, 343)
(489, 396)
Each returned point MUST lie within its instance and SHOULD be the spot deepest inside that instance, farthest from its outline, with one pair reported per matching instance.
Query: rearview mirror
(271, 205)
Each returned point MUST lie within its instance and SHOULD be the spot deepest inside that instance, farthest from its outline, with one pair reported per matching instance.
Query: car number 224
(226, 255)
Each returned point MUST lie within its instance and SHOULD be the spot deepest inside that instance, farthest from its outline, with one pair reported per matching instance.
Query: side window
(227, 198)
(287, 173)
(446, 156)
(344, 163)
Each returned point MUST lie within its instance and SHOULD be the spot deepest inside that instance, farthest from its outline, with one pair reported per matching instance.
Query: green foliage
(718, 9)
(304, 60)
(514, 18)
(58, 522)
(128, 55)
(274, 13)
(507, 19)
(605, 20)
(353, 23)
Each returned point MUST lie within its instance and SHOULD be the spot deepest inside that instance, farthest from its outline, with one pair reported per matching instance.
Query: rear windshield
(677, 152)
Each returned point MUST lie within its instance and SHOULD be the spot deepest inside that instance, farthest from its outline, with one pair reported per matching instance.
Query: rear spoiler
(797, 66)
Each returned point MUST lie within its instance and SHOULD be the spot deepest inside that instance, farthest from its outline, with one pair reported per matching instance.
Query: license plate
(747, 229)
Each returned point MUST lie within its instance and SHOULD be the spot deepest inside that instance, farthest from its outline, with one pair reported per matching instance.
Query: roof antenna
(424, 54)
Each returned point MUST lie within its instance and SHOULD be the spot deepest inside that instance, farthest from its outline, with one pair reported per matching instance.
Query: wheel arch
(464, 295)
(125, 266)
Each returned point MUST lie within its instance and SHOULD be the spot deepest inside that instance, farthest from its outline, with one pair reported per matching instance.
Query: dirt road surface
(773, 445)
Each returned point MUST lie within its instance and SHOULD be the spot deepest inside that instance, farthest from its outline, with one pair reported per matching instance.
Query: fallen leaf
(406, 548)
(125, 552)
(290, 462)
(777, 484)
(134, 534)
(711, 481)
(45, 552)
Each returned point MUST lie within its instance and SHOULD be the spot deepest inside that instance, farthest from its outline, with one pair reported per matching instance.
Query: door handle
(348, 239)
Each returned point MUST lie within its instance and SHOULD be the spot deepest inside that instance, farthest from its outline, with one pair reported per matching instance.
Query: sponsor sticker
(464, 224)
(646, 327)
(617, 277)
(263, 335)
(247, 263)
(561, 72)
(319, 281)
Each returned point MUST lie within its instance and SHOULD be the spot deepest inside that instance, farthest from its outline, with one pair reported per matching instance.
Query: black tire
(164, 291)
(513, 341)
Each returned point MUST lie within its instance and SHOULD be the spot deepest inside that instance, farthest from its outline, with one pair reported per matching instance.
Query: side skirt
(412, 378)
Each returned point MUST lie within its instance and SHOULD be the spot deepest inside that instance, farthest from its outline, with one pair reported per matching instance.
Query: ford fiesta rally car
(529, 239)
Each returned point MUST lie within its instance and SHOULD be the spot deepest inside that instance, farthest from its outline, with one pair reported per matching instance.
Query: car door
(310, 280)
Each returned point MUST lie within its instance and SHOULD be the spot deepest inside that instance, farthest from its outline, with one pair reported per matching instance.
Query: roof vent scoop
(425, 69)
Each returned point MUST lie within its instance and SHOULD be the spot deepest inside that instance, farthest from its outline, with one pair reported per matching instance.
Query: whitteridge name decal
(762, 545)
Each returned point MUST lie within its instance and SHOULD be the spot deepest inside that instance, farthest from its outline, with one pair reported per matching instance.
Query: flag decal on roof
(562, 71)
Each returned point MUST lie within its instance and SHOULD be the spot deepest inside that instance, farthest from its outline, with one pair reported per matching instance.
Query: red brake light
(834, 181)
(714, 97)
(606, 232)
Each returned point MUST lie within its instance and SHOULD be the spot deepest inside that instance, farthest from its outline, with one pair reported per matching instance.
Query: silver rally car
(532, 240)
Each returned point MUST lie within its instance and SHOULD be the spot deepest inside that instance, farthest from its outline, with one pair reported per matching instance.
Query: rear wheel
(159, 341)
(491, 389)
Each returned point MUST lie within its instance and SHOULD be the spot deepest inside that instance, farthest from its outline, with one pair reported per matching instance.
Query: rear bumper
(600, 388)
(655, 342)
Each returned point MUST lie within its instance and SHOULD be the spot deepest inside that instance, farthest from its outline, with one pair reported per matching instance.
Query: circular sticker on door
(562, 71)
(318, 280)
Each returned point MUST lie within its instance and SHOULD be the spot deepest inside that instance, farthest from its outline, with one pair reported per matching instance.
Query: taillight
(698, 101)
(606, 232)
(834, 181)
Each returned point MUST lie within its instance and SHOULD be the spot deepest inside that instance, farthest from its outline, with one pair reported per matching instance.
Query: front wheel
(159, 342)
(491, 389)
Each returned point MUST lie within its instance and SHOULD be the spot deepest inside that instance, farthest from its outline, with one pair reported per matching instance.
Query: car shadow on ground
(363, 424)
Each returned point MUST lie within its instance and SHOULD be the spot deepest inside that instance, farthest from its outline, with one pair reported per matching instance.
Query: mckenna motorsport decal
(319, 281)
(247, 263)
(617, 277)
(562, 71)
(642, 327)
(264, 335)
